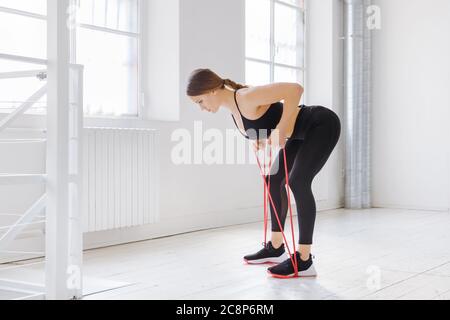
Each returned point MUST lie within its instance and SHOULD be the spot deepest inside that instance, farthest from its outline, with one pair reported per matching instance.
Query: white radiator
(120, 178)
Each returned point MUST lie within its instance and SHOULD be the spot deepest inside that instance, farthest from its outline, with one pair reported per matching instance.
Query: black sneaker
(286, 268)
(267, 255)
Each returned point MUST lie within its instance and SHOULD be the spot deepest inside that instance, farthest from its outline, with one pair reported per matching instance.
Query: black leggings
(316, 133)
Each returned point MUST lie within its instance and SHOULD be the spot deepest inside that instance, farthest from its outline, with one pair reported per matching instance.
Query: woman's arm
(290, 92)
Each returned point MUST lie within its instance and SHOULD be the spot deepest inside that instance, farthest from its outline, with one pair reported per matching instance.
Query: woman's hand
(259, 144)
(278, 137)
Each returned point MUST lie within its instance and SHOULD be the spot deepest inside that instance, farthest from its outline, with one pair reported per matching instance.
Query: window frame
(272, 64)
(140, 85)
(138, 36)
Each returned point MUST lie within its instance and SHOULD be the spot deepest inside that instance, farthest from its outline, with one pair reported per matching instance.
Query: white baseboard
(179, 225)
(184, 224)
(409, 207)
(164, 228)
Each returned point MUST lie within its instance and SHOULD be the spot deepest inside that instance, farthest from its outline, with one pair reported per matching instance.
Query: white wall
(323, 85)
(211, 34)
(411, 104)
(161, 60)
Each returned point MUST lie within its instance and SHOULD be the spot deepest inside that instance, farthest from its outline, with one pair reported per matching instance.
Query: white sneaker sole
(268, 260)
(310, 272)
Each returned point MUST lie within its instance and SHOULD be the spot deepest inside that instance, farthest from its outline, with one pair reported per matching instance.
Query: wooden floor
(359, 254)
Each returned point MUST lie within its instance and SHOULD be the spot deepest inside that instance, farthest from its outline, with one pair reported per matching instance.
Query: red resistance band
(268, 195)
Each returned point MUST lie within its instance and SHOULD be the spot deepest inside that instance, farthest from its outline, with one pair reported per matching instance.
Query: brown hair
(202, 81)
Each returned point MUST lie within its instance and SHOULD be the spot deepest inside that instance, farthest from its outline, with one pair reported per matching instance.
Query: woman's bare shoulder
(249, 107)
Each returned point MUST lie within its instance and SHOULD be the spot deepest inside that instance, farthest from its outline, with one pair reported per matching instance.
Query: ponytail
(232, 84)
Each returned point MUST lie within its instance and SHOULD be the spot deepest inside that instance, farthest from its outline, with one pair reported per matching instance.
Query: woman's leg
(278, 190)
(316, 149)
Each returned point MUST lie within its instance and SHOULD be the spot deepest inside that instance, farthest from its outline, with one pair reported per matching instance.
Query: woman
(308, 135)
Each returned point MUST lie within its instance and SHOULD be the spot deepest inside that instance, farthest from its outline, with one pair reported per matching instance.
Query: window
(23, 32)
(275, 33)
(107, 44)
(106, 41)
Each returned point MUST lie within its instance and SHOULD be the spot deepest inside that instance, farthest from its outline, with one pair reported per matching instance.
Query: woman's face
(207, 102)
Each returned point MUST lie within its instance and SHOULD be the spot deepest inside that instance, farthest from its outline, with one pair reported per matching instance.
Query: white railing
(72, 219)
(16, 58)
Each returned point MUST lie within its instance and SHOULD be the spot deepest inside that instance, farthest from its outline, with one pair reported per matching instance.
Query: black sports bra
(268, 121)
(262, 127)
